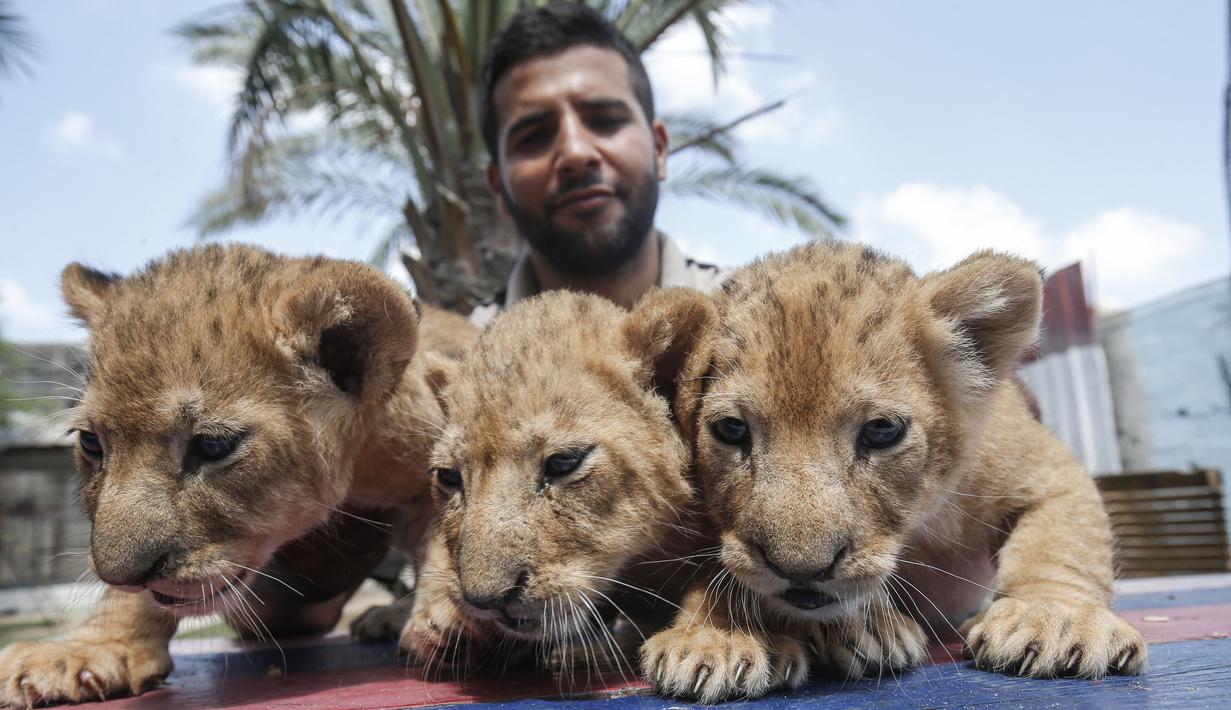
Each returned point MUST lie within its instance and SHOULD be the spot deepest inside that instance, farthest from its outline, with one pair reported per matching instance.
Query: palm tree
(370, 106)
(16, 45)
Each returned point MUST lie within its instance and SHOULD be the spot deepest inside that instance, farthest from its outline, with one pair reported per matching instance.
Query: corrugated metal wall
(1069, 376)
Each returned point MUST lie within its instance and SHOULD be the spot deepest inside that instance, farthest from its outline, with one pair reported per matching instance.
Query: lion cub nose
(133, 569)
(500, 599)
(799, 571)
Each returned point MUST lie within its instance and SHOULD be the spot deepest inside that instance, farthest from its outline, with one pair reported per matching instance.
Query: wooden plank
(1158, 479)
(1201, 492)
(1174, 516)
(1161, 565)
(1208, 504)
(1217, 541)
(1206, 528)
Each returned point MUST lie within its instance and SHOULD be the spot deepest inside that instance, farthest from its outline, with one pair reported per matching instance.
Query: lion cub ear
(438, 371)
(351, 323)
(990, 305)
(86, 291)
(667, 331)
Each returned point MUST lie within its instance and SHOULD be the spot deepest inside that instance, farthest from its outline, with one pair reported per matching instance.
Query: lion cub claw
(710, 664)
(886, 640)
(1048, 639)
(76, 671)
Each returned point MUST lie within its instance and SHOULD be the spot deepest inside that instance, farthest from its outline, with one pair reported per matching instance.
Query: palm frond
(17, 46)
(300, 175)
(644, 23)
(695, 131)
(788, 201)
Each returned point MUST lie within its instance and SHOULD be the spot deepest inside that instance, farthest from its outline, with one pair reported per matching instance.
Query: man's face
(579, 163)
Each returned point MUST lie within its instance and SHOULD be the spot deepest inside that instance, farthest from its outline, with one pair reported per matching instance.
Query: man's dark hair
(548, 30)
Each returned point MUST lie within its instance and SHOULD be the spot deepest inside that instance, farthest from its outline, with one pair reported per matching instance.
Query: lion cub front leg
(121, 650)
(1052, 615)
(705, 656)
(878, 639)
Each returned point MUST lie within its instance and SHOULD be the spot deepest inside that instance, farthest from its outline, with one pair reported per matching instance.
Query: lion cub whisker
(242, 413)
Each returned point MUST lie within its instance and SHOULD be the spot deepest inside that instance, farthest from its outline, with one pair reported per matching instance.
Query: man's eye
(606, 124)
(91, 445)
(531, 140)
(214, 448)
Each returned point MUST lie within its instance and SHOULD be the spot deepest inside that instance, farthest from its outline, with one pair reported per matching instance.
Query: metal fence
(43, 533)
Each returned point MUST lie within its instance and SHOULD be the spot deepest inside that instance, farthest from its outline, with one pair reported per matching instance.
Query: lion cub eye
(91, 445)
(558, 465)
(881, 433)
(214, 448)
(730, 430)
(449, 477)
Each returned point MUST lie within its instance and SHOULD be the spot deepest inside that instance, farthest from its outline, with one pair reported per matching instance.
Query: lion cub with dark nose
(561, 480)
(873, 470)
(244, 417)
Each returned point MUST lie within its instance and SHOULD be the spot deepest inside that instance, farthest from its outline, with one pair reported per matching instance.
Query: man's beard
(601, 249)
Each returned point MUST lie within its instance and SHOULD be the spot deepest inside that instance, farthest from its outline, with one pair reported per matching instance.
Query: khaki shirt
(675, 270)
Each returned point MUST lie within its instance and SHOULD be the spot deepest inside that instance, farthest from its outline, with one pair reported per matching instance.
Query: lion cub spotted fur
(561, 480)
(237, 404)
(866, 457)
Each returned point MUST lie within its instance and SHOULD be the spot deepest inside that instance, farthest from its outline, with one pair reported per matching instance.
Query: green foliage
(371, 107)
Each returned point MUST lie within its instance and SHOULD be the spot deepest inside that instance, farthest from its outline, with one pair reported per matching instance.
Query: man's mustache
(588, 179)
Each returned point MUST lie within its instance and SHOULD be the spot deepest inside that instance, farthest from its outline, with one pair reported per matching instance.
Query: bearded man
(577, 154)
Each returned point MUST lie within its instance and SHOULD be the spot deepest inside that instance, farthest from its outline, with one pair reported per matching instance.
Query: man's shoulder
(487, 309)
(679, 269)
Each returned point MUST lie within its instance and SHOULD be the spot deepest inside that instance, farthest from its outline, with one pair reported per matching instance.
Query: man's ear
(353, 326)
(438, 371)
(86, 291)
(667, 331)
(496, 185)
(662, 142)
(989, 307)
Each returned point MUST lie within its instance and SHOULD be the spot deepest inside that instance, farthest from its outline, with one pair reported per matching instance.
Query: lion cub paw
(709, 664)
(885, 640)
(1047, 639)
(383, 622)
(76, 671)
(438, 634)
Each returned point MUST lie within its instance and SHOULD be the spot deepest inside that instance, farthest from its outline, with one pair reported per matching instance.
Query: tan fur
(310, 362)
(885, 542)
(558, 374)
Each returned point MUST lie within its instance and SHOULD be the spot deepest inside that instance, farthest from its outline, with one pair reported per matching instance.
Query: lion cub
(561, 480)
(251, 429)
(866, 458)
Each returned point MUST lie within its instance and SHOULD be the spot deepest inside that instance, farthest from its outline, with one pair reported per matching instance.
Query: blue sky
(1058, 130)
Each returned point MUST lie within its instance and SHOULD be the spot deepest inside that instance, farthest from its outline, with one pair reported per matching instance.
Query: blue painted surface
(1190, 674)
(1165, 600)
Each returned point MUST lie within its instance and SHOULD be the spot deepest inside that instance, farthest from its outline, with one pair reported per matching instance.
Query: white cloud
(214, 86)
(24, 320)
(680, 72)
(1139, 256)
(1132, 256)
(74, 133)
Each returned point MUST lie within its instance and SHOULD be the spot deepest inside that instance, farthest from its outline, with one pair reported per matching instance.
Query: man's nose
(575, 146)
